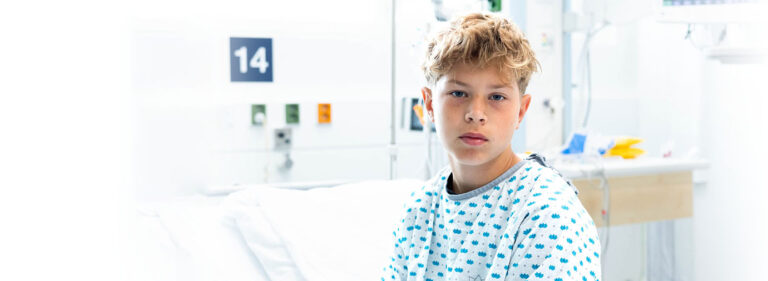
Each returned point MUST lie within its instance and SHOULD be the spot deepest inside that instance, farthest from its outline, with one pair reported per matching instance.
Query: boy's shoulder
(539, 186)
(540, 173)
(430, 191)
(546, 193)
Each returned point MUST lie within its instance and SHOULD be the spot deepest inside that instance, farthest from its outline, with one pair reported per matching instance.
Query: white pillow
(261, 238)
(338, 233)
(206, 239)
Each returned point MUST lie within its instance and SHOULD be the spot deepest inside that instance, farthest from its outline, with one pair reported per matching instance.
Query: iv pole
(392, 148)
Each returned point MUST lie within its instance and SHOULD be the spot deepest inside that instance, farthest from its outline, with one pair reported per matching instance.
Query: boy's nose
(475, 117)
(475, 114)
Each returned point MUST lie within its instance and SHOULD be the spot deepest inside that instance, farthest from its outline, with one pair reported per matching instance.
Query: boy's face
(474, 113)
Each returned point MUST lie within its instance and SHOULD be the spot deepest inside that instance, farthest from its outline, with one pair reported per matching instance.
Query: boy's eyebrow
(466, 85)
(457, 82)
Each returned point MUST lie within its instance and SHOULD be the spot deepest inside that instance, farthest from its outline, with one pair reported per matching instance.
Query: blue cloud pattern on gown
(526, 224)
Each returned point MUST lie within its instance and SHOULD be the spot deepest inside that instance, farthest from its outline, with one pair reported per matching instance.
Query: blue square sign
(250, 59)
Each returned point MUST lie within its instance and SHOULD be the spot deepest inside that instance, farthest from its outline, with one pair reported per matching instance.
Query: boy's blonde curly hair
(481, 40)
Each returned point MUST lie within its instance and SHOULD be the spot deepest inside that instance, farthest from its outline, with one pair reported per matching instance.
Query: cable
(716, 35)
(606, 212)
(584, 59)
(599, 171)
(584, 66)
(588, 74)
(644, 255)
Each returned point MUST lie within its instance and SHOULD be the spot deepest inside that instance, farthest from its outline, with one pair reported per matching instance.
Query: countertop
(617, 167)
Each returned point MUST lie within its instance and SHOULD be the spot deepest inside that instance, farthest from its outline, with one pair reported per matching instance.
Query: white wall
(65, 177)
(194, 124)
(729, 226)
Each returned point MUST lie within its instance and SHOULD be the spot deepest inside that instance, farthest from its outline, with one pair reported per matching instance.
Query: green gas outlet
(292, 113)
(258, 114)
(495, 5)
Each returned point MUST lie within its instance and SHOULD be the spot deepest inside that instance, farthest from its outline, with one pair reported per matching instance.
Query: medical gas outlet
(258, 114)
(324, 113)
(292, 114)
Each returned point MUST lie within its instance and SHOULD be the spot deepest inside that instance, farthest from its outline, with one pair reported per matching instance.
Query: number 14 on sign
(259, 59)
(250, 59)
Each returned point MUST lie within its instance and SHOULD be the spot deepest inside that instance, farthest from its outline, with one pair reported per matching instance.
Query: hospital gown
(527, 224)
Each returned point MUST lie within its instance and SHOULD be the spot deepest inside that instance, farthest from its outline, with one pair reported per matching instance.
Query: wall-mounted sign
(250, 59)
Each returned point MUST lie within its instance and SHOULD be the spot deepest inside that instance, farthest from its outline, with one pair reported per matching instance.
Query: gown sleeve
(557, 239)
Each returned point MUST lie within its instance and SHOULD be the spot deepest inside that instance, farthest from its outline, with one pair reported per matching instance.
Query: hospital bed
(313, 231)
(343, 230)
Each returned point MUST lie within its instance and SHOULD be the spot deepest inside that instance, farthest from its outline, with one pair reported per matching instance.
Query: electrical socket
(283, 139)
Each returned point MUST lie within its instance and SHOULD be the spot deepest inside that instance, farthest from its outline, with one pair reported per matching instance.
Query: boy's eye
(497, 97)
(458, 94)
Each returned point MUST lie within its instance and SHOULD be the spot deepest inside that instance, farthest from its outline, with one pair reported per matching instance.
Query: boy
(490, 215)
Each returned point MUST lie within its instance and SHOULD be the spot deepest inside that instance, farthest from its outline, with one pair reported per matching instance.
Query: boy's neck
(467, 178)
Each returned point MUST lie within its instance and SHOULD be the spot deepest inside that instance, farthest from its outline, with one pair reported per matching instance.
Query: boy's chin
(471, 158)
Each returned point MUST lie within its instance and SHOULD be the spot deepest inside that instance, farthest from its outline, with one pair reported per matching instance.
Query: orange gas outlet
(324, 113)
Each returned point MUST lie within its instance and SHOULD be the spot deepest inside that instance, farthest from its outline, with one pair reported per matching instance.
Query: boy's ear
(426, 94)
(525, 101)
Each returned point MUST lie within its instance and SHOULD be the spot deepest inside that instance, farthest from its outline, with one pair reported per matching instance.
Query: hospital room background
(228, 139)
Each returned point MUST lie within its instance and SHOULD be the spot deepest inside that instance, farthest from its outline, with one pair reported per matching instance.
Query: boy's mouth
(473, 138)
